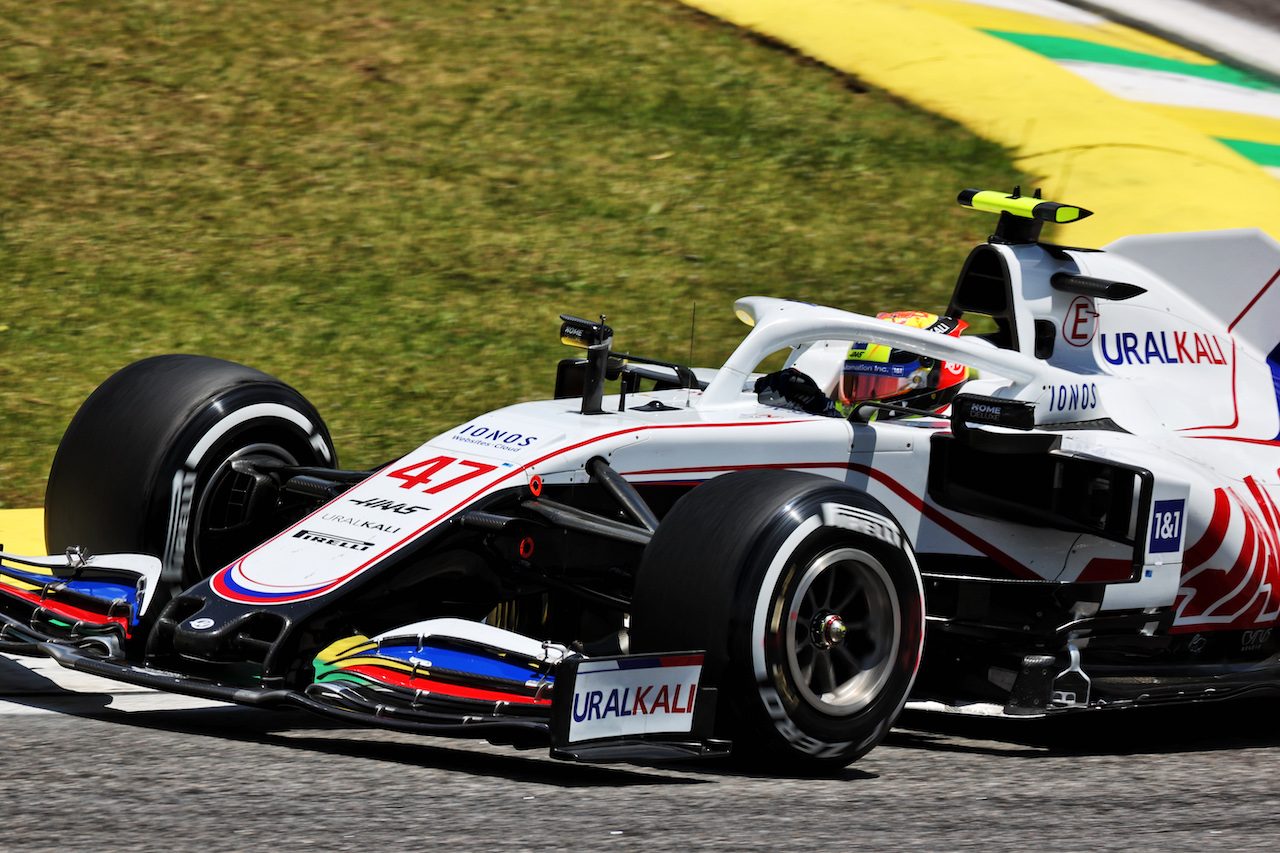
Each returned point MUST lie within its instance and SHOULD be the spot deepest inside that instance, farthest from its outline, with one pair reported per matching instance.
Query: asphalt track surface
(79, 773)
(237, 779)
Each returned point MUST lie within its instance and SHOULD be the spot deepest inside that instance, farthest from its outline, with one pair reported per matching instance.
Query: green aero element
(323, 668)
(348, 677)
(327, 673)
(1025, 206)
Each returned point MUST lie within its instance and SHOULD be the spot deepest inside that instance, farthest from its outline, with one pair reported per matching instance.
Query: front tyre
(807, 598)
(164, 458)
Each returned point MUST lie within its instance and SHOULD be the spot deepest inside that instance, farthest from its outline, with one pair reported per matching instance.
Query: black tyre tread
(691, 586)
(103, 479)
(694, 609)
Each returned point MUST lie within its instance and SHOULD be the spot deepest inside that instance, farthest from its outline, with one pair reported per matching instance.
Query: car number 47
(442, 470)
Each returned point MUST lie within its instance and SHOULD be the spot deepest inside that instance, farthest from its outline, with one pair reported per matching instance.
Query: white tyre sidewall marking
(183, 488)
(248, 413)
(768, 692)
(765, 595)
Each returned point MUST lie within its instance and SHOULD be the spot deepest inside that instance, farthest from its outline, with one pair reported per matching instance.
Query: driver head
(883, 374)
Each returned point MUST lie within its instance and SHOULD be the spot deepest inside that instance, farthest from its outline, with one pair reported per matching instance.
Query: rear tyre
(153, 463)
(807, 599)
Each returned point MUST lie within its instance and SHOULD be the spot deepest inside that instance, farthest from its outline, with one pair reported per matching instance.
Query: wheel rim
(843, 627)
(221, 518)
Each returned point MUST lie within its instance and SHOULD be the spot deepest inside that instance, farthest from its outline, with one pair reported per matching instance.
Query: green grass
(387, 204)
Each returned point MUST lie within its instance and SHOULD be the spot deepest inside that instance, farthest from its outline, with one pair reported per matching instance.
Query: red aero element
(388, 675)
(535, 486)
(526, 547)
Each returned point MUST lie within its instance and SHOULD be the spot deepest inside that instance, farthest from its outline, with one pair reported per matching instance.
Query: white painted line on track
(1204, 25)
(1178, 90)
(1046, 9)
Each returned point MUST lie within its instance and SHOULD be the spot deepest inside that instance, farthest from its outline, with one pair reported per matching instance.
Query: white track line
(1179, 90)
(1201, 24)
(1046, 9)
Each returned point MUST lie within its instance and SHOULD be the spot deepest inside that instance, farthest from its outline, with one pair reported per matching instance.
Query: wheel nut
(828, 630)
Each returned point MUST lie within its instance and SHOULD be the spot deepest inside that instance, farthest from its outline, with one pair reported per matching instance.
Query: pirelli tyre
(153, 463)
(807, 598)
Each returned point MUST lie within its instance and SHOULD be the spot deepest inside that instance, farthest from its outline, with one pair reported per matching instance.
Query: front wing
(440, 677)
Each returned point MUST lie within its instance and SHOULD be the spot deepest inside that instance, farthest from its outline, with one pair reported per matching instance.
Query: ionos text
(1067, 398)
(492, 437)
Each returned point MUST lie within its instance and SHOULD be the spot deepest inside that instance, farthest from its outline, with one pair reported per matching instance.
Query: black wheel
(153, 463)
(807, 599)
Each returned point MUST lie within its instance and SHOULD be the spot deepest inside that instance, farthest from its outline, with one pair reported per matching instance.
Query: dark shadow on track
(1227, 725)
(302, 731)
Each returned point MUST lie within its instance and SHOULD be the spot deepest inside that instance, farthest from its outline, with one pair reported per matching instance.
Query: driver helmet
(880, 373)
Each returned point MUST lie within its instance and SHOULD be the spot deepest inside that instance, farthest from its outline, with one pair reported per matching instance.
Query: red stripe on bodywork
(1254, 301)
(1214, 534)
(1241, 596)
(1235, 401)
(1271, 441)
(929, 511)
(1106, 570)
(682, 660)
(227, 593)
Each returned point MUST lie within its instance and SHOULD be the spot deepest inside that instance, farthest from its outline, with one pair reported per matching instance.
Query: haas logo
(1231, 576)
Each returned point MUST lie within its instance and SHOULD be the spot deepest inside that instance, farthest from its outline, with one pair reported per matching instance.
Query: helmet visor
(863, 381)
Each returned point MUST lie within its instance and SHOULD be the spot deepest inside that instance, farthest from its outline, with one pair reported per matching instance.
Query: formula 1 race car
(1073, 507)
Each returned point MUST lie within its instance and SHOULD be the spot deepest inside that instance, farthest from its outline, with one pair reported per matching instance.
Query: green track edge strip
(1062, 49)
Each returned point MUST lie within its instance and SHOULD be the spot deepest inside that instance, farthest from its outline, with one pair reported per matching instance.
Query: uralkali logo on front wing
(634, 696)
